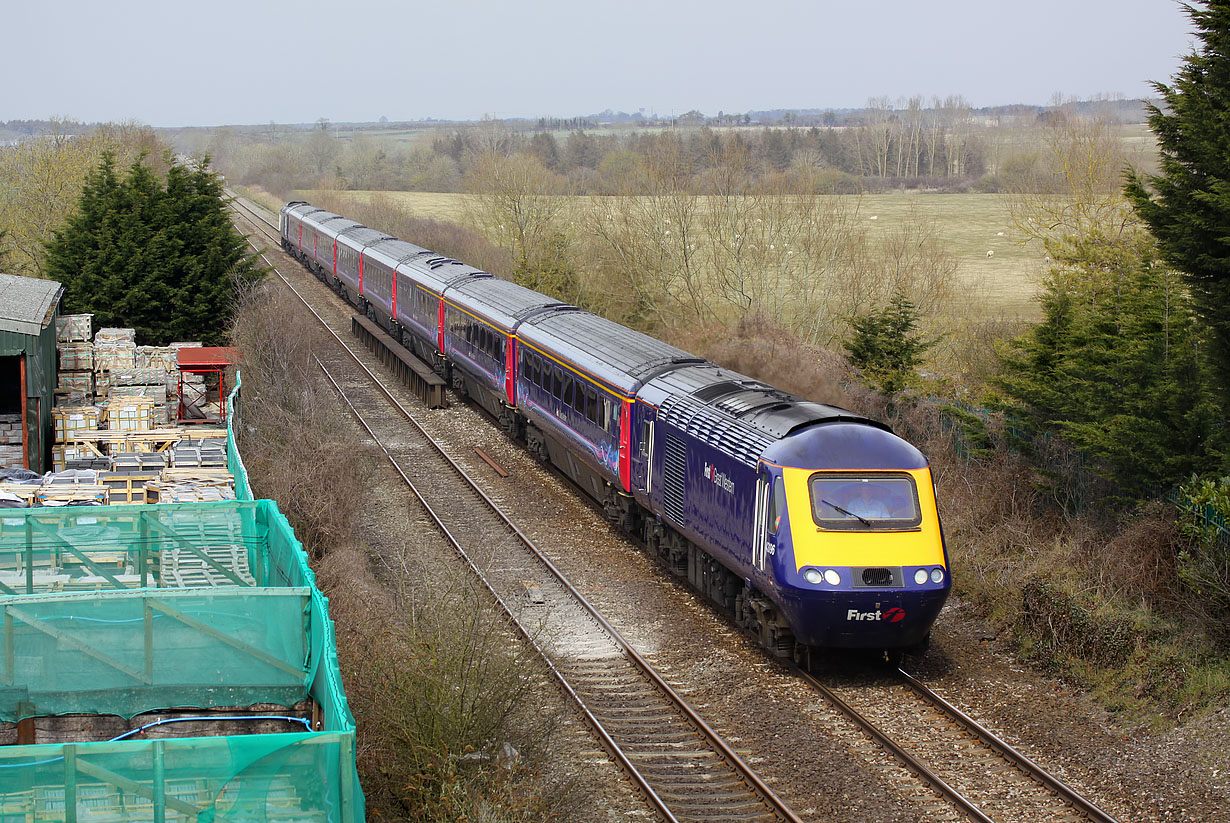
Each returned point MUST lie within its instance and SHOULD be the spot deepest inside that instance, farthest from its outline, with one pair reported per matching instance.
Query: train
(812, 527)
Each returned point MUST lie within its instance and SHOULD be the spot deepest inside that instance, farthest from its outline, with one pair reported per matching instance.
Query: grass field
(970, 225)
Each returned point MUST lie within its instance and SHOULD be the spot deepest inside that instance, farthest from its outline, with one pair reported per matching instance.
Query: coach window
(567, 391)
(591, 406)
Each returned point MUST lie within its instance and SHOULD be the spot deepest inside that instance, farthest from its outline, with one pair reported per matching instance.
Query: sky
(230, 62)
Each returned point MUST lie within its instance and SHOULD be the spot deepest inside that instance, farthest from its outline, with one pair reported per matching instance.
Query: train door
(642, 463)
(770, 509)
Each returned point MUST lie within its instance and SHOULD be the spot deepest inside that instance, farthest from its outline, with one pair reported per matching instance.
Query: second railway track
(687, 772)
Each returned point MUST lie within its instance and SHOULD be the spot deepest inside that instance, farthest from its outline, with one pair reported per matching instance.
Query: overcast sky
(175, 63)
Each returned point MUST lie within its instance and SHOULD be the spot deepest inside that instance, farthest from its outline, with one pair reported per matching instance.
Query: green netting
(130, 652)
(243, 490)
(274, 777)
(128, 609)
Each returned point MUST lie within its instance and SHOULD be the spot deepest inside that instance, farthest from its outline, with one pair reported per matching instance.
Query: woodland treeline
(941, 144)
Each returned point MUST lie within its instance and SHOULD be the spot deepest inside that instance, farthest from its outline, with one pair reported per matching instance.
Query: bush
(885, 345)
(1204, 565)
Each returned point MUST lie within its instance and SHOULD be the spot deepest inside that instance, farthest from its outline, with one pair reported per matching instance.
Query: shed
(28, 310)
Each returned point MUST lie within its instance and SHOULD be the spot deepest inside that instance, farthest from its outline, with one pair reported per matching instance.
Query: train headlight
(920, 576)
(832, 577)
(813, 576)
(937, 575)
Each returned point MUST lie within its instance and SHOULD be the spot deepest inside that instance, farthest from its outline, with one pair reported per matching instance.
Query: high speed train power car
(811, 526)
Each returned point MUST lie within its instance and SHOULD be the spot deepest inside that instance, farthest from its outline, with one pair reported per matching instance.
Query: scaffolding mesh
(130, 609)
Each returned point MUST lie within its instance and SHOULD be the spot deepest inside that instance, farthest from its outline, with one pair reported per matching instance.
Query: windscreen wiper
(847, 512)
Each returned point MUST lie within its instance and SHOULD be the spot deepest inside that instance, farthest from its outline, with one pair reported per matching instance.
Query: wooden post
(70, 784)
(143, 542)
(346, 775)
(10, 661)
(29, 555)
(25, 429)
(25, 726)
(148, 615)
(160, 787)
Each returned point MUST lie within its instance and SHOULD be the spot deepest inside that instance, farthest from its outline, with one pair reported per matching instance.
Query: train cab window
(859, 502)
(777, 505)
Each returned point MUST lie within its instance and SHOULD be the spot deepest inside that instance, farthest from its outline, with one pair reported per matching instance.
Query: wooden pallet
(150, 440)
(127, 488)
(72, 495)
(181, 569)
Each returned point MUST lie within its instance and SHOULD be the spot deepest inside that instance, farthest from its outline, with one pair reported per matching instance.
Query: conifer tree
(885, 345)
(160, 258)
(1115, 364)
(1187, 205)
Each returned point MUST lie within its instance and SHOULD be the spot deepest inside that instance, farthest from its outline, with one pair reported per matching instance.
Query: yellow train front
(853, 543)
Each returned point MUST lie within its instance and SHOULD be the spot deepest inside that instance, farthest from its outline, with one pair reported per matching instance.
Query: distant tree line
(942, 144)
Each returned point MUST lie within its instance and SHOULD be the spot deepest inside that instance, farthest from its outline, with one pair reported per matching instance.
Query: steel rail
(775, 805)
(911, 762)
(1008, 752)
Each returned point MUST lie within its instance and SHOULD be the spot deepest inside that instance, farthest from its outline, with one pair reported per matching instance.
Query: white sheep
(990, 252)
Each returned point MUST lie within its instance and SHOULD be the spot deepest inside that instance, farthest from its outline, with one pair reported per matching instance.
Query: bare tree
(1079, 189)
(517, 201)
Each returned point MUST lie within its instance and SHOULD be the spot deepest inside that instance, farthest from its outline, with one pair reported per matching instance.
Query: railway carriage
(421, 283)
(812, 526)
(578, 377)
(379, 283)
(480, 318)
(348, 276)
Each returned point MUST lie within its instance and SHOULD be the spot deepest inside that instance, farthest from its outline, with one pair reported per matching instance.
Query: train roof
(741, 415)
(326, 222)
(437, 272)
(616, 354)
(300, 208)
(393, 252)
(500, 301)
(845, 444)
(359, 236)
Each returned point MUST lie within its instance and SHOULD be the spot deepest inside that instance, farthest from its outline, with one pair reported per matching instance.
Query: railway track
(687, 772)
(680, 765)
(983, 776)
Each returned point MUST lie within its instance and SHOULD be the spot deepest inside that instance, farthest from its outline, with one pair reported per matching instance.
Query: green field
(970, 225)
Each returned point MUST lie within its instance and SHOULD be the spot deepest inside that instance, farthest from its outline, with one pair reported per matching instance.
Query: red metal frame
(205, 360)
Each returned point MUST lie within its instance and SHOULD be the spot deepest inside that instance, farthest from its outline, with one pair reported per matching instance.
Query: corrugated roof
(26, 303)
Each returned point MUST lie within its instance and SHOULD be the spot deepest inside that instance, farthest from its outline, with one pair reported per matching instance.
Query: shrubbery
(1204, 566)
